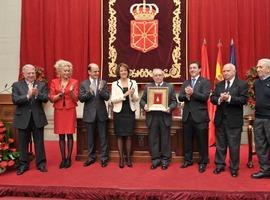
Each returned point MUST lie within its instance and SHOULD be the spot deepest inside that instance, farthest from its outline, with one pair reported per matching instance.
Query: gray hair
(26, 67)
(265, 61)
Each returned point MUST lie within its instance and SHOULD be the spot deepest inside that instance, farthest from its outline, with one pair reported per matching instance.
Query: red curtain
(70, 29)
(60, 29)
(246, 21)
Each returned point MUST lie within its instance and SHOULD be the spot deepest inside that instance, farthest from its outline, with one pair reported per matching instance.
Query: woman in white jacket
(124, 97)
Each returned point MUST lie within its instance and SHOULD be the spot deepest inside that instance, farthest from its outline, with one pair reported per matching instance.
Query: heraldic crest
(144, 29)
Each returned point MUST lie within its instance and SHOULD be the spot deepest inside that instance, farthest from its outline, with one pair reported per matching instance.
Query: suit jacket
(117, 96)
(167, 117)
(26, 107)
(94, 106)
(55, 88)
(197, 104)
(233, 110)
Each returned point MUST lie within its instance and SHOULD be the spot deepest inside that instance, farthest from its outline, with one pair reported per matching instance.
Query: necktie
(158, 85)
(193, 82)
(94, 86)
(228, 86)
(30, 86)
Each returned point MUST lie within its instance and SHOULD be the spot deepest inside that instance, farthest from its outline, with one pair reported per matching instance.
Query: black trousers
(227, 137)
(200, 130)
(102, 132)
(159, 140)
(262, 141)
(24, 139)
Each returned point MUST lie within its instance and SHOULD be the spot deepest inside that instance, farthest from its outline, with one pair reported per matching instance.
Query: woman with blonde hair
(64, 96)
(124, 97)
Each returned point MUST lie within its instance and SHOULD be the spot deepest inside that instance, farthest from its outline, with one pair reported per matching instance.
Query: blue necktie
(193, 82)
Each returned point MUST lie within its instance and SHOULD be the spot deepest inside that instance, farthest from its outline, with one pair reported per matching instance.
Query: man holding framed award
(159, 101)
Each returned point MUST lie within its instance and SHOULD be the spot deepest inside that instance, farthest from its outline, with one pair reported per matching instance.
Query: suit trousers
(200, 130)
(159, 140)
(102, 132)
(227, 137)
(24, 139)
(262, 143)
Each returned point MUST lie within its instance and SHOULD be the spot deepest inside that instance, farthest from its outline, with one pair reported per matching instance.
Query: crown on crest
(144, 11)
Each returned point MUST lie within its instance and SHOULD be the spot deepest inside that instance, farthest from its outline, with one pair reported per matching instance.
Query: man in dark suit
(195, 93)
(93, 93)
(28, 95)
(229, 95)
(262, 118)
(159, 123)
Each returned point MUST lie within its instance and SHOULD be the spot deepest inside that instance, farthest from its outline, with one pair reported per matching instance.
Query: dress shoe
(104, 163)
(129, 162)
(62, 164)
(164, 166)
(89, 162)
(68, 163)
(186, 164)
(202, 168)
(42, 168)
(258, 175)
(21, 170)
(154, 166)
(234, 173)
(121, 163)
(218, 170)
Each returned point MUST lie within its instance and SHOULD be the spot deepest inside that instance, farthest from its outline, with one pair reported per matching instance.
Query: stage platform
(139, 182)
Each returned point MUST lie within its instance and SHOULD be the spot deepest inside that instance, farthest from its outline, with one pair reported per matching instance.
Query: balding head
(228, 71)
(158, 75)
(263, 68)
(93, 70)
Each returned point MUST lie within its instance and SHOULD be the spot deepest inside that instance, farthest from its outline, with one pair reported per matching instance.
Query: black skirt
(124, 121)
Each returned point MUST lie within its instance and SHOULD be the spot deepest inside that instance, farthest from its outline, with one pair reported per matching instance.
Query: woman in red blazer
(64, 95)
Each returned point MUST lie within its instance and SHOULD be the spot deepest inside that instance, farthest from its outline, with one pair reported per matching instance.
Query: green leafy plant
(251, 76)
(9, 157)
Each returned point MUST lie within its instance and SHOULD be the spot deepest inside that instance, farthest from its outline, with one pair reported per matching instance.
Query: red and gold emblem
(144, 29)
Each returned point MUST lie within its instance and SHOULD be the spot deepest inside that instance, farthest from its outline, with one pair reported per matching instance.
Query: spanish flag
(219, 76)
(211, 107)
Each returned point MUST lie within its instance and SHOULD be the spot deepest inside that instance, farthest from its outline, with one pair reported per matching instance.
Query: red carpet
(139, 182)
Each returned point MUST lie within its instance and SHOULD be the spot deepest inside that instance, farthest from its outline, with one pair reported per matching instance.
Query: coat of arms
(144, 29)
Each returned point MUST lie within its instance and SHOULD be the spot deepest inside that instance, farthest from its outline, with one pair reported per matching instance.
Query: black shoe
(164, 166)
(68, 163)
(62, 164)
(42, 168)
(104, 163)
(234, 173)
(89, 162)
(129, 162)
(218, 170)
(154, 166)
(186, 164)
(258, 175)
(121, 163)
(202, 168)
(21, 170)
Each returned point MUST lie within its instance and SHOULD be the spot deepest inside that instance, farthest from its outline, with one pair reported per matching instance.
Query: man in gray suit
(93, 93)
(28, 95)
(195, 93)
(159, 123)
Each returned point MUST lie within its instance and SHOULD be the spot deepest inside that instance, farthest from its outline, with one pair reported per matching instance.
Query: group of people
(229, 95)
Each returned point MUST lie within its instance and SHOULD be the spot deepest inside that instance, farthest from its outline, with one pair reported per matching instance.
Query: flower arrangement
(8, 155)
(251, 76)
(40, 75)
